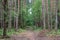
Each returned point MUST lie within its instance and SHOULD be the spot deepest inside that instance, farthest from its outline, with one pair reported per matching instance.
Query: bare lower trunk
(5, 9)
(47, 12)
(17, 15)
(56, 21)
(51, 12)
(10, 2)
(21, 14)
(43, 13)
(54, 5)
(1, 15)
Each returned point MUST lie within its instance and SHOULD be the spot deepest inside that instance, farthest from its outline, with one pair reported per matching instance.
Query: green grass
(53, 32)
(8, 33)
(12, 31)
(1, 31)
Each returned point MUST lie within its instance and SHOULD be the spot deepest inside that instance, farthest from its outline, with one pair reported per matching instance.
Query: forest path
(31, 35)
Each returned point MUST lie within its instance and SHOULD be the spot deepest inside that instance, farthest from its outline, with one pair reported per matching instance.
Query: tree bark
(1, 15)
(43, 13)
(51, 12)
(5, 9)
(47, 14)
(17, 15)
(56, 8)
(10, 4)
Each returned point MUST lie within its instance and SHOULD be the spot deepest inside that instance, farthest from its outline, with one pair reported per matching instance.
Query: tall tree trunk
(47, 12)
(56, 21)
(17, 16)
(1, 15)
(10, 2)
(54, 4)
(21, 13)
(5, 10)
(16, 9)
(43, 13)
(51, 11)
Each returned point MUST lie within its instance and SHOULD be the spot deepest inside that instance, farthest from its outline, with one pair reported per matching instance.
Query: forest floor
(33, 35)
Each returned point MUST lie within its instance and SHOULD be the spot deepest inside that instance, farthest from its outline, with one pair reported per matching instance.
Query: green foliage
(29, 18)
(12, 31)
(37, 9)
(53, 32)
(0, 0)
(1, 32)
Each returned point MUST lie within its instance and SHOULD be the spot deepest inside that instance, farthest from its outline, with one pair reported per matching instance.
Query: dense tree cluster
(29, 14)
